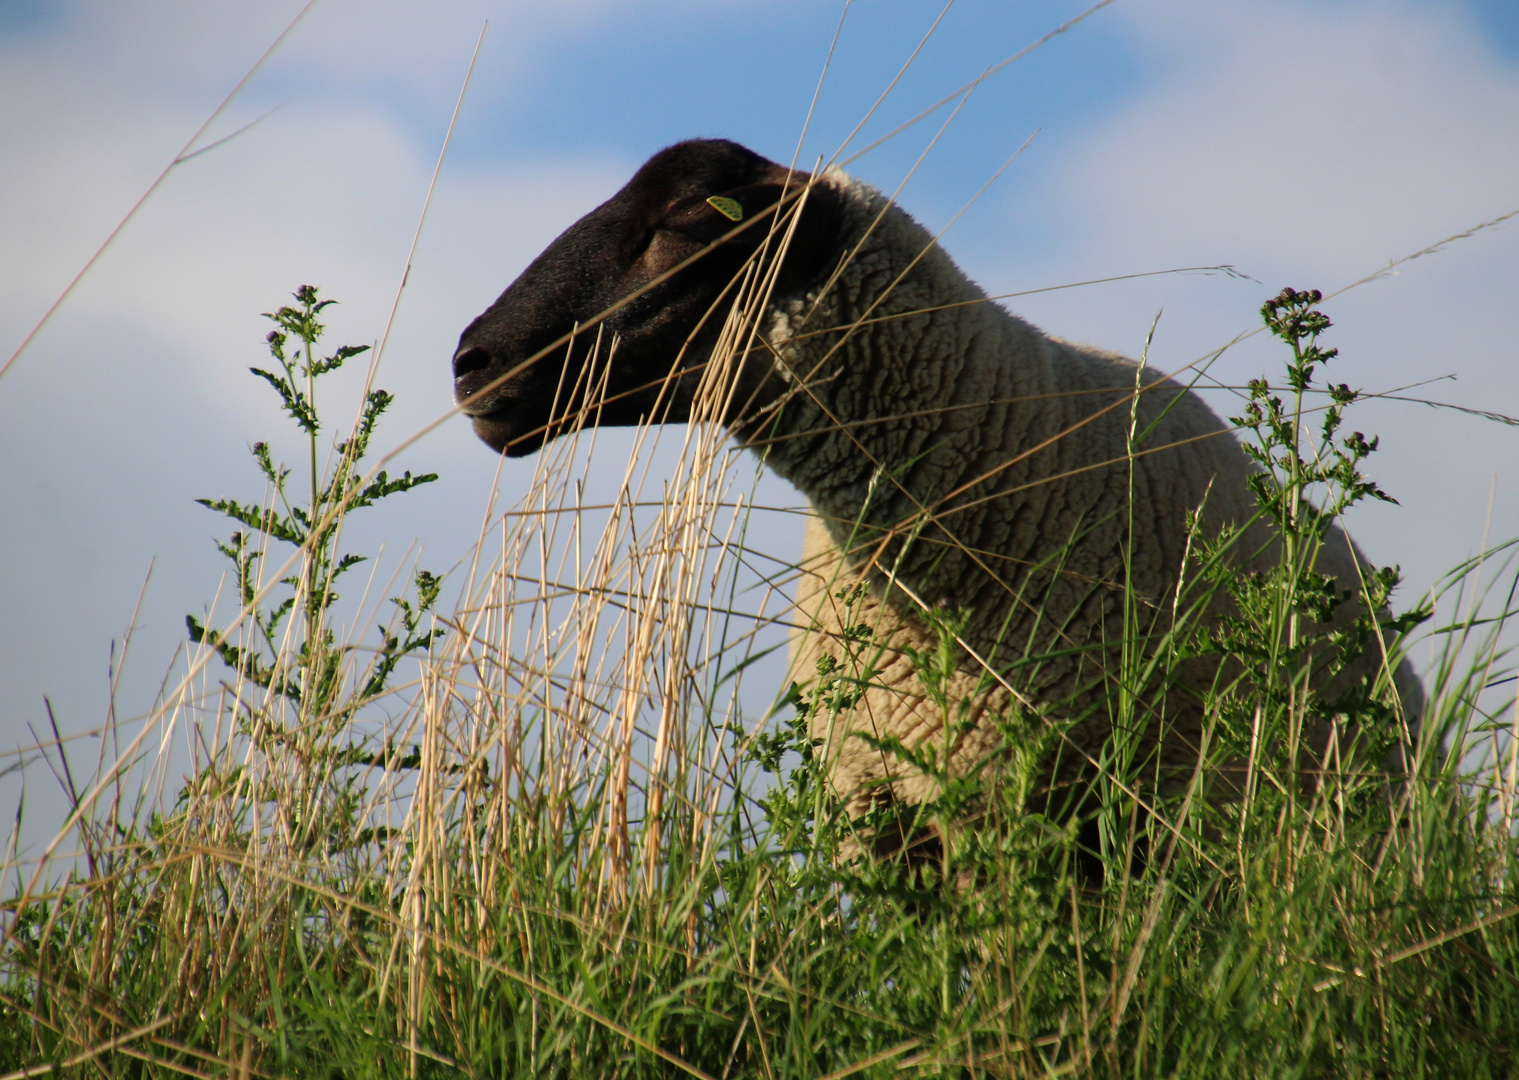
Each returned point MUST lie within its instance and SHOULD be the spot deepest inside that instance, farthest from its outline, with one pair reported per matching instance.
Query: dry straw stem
(117, 1043)
(1419, 947)
(968, 87)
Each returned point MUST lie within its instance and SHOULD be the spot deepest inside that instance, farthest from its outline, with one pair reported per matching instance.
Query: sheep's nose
(473, 358)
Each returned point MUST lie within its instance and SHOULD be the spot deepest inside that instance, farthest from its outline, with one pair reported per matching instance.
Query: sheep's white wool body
(1002, 453)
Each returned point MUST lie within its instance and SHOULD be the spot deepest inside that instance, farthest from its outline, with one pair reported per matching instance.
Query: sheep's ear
(713, 218)
(814, 243)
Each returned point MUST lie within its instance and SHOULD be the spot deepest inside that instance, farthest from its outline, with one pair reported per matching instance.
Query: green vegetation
(567, 847)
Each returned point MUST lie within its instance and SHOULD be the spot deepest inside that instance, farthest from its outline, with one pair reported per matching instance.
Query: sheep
(957, 459)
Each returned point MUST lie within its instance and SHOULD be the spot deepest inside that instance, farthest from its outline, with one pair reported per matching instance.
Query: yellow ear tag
(728, 208)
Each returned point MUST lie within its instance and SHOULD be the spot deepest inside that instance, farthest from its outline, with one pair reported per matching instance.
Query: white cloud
(325, 194)
(1349, 130)
(1309, 144)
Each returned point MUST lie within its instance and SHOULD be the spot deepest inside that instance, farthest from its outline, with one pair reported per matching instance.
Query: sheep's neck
(886, 426)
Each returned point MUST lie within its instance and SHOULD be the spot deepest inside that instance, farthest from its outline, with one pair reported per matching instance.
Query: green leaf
(293, 400)
(265, 520)
(382, 486)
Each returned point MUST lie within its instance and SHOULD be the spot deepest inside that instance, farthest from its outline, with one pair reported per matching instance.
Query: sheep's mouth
(514, 426)
(515, 432)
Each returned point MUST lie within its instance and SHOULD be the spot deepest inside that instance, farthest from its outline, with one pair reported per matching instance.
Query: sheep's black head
(689, 203)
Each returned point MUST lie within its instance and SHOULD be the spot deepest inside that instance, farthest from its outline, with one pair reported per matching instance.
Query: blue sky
(1307, 142)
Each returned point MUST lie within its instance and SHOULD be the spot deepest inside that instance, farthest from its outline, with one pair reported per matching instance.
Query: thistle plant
(1283, 630)
(290, 649)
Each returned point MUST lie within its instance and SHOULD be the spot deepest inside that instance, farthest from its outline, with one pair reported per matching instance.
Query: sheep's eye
(664, 230)
(653, 233)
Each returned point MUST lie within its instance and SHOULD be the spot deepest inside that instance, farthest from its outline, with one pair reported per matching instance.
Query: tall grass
(575, 841)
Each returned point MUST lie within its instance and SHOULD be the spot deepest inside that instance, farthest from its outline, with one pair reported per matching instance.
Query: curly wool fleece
(966, 461)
